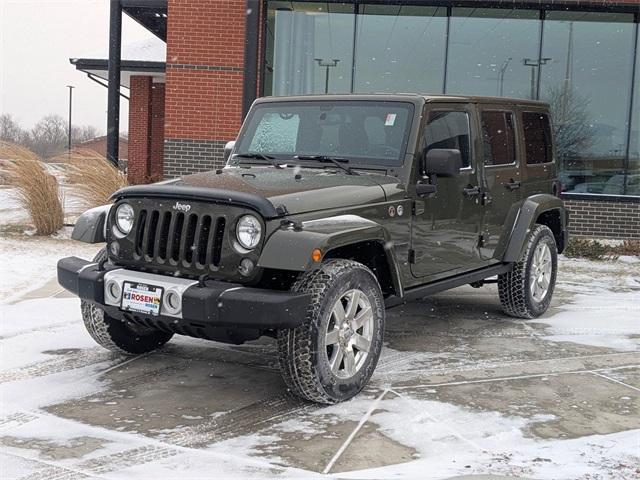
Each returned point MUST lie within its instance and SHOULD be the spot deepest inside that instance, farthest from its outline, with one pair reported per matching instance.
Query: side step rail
(448, 283)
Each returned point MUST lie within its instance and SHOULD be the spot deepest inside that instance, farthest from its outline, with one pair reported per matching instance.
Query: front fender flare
(90, 226)
(289, 248)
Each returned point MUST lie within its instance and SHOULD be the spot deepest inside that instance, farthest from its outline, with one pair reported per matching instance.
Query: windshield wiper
(337, 161)
(259, 156)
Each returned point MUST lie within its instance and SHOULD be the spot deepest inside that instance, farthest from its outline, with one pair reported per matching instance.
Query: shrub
(591, 249)
(93, 177)
(628, 247)
(38, 192)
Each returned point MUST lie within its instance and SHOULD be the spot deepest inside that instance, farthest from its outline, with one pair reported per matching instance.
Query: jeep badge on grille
(182, 207)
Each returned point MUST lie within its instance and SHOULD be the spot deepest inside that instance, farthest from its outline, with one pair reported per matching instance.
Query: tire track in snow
(66, 362)
(242, 421)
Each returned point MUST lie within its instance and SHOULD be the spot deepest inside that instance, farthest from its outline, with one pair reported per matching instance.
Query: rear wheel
(330, 357)
(119, 335)
(526, 290)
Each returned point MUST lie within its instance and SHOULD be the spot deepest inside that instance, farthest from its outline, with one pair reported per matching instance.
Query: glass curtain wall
(587, 82)
(400, 48)
(579, 62)
(309, 48)
(633, 171)
(493, 52)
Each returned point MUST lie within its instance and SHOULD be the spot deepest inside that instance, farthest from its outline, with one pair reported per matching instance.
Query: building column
(146, 130)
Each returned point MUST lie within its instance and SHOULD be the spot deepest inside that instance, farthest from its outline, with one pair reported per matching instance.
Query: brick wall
(146, 130)
(139, 128)
(182, 157)
(157, 131)
(604, 219)
(203, 105)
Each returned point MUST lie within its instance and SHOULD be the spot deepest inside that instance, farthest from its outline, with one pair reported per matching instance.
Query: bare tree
(10, 131)
(83, 134)
(572, 128)
(49, 136)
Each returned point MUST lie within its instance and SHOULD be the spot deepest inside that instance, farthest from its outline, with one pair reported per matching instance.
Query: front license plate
(141, 298)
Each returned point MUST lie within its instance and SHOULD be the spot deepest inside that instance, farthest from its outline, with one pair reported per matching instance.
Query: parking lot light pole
(327, 64)
(70, 87)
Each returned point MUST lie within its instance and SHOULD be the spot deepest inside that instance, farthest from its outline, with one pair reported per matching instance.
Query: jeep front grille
(180, 239)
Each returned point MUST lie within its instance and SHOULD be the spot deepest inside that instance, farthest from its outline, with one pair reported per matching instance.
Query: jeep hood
(274, 192)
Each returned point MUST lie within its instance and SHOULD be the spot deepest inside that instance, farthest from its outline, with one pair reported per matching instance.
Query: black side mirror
(443, 162)
(228, 148)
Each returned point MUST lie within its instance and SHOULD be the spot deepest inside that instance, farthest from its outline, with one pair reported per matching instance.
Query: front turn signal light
(316, 255)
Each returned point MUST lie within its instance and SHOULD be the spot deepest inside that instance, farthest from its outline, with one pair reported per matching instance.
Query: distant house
(99, 145)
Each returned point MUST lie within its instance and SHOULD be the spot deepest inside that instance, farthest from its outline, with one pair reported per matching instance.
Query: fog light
(113, 291)
(246, 267)
(173, 302)
(114, 248)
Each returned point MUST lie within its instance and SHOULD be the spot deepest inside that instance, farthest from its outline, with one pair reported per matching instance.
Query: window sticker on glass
(391, 120)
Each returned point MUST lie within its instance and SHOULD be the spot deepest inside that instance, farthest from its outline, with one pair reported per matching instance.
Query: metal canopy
(151, 14)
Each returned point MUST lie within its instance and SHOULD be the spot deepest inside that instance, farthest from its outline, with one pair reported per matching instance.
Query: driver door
(446, 225)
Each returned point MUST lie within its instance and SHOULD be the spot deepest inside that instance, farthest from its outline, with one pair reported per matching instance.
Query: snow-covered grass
(28, 262)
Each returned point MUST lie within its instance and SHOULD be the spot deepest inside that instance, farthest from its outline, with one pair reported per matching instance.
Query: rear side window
(449, 130)
(498, 138)
(537, 137)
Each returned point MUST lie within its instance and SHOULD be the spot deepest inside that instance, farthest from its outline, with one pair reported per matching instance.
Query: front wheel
(331, 356)
(526, 290)
(118, 335)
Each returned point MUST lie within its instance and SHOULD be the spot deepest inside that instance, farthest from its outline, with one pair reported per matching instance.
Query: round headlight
(248, 232)
(124, 218)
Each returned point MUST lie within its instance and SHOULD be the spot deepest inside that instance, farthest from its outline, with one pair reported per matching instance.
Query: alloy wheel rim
(349, 333)
(540, 274)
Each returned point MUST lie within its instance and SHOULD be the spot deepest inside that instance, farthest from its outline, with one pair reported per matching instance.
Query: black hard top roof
(411, 97)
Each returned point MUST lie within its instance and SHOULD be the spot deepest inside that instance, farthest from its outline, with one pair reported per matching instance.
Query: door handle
(471, 192)
(513, 184)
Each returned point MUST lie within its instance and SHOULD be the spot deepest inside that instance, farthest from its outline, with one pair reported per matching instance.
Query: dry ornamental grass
(93, 177)
(38, 192)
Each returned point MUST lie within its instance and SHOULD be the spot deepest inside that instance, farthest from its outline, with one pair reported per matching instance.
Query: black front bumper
(212, 305)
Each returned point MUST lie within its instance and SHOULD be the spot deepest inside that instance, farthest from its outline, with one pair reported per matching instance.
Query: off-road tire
(303, 360)
(514, 286)
(117, 335)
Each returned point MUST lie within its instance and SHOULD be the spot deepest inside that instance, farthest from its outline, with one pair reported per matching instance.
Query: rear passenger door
(501, 172)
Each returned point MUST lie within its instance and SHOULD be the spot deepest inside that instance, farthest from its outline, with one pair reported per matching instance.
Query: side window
(449, 130)
(498, 138)
(276, 133)
(537, 137)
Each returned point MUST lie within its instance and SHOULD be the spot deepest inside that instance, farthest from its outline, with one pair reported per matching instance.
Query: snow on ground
(45, 335)
(605, 311)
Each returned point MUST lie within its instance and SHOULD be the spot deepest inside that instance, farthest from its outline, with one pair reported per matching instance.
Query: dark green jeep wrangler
(330, 208)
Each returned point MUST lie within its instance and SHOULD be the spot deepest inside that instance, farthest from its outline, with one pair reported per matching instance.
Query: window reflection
(583, 69)
(498, 139)
(449, 130)
(633, 172)
(588, 83)
(488, 50)
(400, 48)
(309, 48)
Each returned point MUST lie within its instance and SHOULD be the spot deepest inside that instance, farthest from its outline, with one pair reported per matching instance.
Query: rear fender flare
(522, 219)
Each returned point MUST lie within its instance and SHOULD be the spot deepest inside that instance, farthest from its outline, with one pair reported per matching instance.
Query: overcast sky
(37, 38)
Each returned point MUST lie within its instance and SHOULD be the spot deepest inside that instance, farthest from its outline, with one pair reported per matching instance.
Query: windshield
(366, 132)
